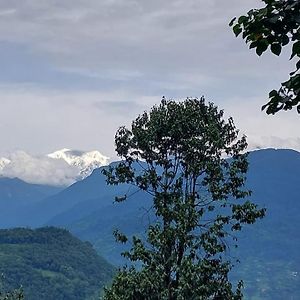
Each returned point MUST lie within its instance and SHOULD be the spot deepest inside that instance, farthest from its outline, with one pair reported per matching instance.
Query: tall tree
(191, 161)
(277, 24)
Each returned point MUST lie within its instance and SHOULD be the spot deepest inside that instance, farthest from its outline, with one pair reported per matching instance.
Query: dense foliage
(277, 24)
(50, 263)
(16, 294)
(194, 170)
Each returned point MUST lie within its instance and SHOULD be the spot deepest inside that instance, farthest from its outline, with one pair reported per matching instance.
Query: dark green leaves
(176, 154)
(296, 49)
(285, 40)
(232, 21)
(120, 237)
(273, 93)
(276, 49)
(261, 46)
(242, 19)
(237, 29)
(275, 25)
(12, 295)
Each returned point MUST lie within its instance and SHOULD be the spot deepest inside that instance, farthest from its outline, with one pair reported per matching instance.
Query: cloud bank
(72, 72)
(39, 169)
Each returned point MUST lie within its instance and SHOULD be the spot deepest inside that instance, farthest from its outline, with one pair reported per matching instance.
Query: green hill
(51, 264)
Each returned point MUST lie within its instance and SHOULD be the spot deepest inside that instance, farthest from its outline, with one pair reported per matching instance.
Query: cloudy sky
(73, 71)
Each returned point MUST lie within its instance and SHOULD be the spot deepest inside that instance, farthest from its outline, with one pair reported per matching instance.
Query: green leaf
(262, 46)
(253, 45)
(273, 93)
(275, 24)
(262, 12)
(296, 49)
(237, 29)
(285, 40)
(274, 19)
(232, 21)
(264, 106)
(242, 19)
(276, 49)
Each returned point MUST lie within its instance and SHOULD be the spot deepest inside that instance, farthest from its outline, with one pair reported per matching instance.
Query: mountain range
(86, 162)
(271, 246)
(60, 168)
(17, 195)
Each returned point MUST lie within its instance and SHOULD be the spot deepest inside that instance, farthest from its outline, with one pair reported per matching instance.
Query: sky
(73, 71)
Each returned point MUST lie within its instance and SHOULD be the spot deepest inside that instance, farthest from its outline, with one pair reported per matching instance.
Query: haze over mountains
(60, 168)
(88, 210)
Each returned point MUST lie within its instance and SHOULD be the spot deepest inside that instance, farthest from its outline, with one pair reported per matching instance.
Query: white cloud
(39, 169)
(42, 120)
(264, 131)
(130, 40)
(262, 142)
(7, 12)
(131, 53)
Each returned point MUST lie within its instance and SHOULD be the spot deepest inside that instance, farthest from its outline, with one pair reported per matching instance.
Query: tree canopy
(193, 163)
(50, 263)
(274, 26)
(12, 295)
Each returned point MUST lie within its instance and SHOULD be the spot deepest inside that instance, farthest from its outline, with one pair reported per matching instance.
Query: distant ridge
(86, 162)
(60, 168)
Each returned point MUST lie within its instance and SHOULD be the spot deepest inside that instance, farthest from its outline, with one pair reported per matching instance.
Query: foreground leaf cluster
(274, 26)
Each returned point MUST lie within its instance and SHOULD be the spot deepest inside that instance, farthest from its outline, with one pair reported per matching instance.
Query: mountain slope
(93, 187)
(16, 194)
(131, 217)
(271, 246)
(51, 264)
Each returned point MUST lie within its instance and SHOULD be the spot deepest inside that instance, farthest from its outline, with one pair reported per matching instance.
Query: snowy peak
(86, 162)
(60, 168)
(75, 156)
(3, 162)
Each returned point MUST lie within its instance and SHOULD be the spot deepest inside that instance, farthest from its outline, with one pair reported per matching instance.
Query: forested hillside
(49, 263)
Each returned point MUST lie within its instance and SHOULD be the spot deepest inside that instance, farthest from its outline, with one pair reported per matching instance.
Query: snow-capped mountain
(86, 162)
(60, 168)
(3, 162)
